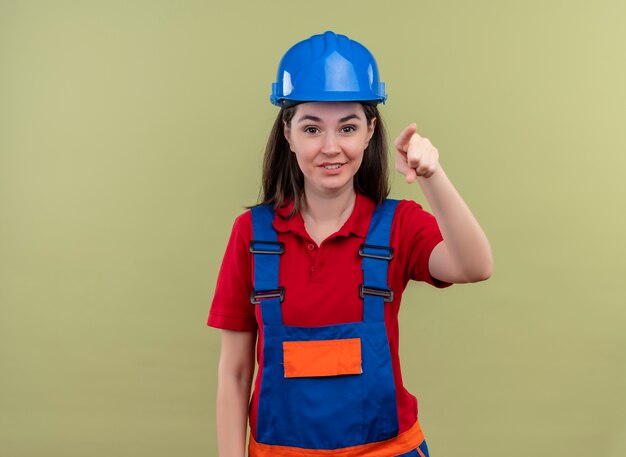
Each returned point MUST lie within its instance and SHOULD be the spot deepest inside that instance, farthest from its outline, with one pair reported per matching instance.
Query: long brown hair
(283, 180)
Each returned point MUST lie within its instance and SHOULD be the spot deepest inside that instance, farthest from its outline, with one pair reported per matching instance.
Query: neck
(323, 207)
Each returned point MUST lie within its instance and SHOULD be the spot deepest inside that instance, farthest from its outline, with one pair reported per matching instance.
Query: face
(328, 139)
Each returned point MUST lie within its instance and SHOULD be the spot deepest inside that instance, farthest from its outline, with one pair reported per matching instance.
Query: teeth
(332, 167)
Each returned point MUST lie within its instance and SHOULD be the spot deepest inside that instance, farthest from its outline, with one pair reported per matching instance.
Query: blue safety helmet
(327, 67)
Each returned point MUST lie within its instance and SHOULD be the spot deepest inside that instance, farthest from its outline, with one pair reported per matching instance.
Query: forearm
(465, 241)
(233, 394)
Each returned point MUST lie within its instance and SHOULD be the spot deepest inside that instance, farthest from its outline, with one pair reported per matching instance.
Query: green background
(131, 135)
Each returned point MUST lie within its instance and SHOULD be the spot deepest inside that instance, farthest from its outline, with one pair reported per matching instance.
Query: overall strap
(267, 251)
(376, 254)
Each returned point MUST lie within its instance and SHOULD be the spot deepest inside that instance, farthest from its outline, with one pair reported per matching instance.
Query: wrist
(430, 174)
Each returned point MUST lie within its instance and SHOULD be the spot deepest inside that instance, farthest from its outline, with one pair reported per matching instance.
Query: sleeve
(416, 232)
(231, 308)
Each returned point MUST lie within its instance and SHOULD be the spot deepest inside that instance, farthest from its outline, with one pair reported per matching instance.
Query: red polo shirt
(322, 282)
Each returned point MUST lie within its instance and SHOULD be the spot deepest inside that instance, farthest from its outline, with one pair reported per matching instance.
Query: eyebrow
(317, 119)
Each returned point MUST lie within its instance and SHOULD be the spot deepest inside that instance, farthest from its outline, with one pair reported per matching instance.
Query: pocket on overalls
(324, 393)
(322, 358)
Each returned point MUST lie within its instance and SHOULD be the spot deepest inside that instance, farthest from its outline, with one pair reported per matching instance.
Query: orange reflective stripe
(419, 451)
(322, 358)
(401, 444)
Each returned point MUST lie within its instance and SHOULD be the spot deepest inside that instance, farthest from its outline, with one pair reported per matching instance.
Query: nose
(331, 144)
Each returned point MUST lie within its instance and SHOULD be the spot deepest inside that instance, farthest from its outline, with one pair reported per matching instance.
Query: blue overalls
(328, 390)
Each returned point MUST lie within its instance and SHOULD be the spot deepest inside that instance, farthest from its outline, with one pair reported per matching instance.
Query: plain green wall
(131, 135)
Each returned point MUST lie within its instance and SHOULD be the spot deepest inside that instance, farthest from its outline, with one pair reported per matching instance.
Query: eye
(311, 130)
(348, 129)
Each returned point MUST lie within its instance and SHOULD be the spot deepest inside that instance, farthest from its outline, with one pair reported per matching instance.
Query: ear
(370, 130)
(287, 133)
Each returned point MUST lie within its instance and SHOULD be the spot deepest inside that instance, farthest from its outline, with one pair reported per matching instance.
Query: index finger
(406, 134)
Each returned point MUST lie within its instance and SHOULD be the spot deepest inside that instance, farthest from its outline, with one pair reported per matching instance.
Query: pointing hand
(415, 155)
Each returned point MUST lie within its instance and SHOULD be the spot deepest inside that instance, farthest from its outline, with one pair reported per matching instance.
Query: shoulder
(241, 230)
(243, 221)
(408, 206)
(405, 210)
(262, 216)
(412, 219)
(409, 209)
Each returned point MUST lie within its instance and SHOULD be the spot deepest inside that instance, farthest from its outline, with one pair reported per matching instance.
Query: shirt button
(310, 246)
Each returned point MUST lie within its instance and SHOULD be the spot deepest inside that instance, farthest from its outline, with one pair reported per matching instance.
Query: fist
(415, 155)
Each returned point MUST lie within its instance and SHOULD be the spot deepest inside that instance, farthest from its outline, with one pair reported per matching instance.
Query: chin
(337, 186)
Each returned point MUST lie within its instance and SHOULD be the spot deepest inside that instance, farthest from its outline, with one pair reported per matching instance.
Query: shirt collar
(357, 223)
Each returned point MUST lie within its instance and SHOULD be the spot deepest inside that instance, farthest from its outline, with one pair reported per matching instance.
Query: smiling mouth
(332, 166)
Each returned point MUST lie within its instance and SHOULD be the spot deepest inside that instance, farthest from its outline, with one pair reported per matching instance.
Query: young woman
(313, 276)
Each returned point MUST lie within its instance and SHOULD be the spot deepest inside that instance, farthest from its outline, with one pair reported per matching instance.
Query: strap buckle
(365, 250)
(387, 294)
(257, 295)
(267, 247)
